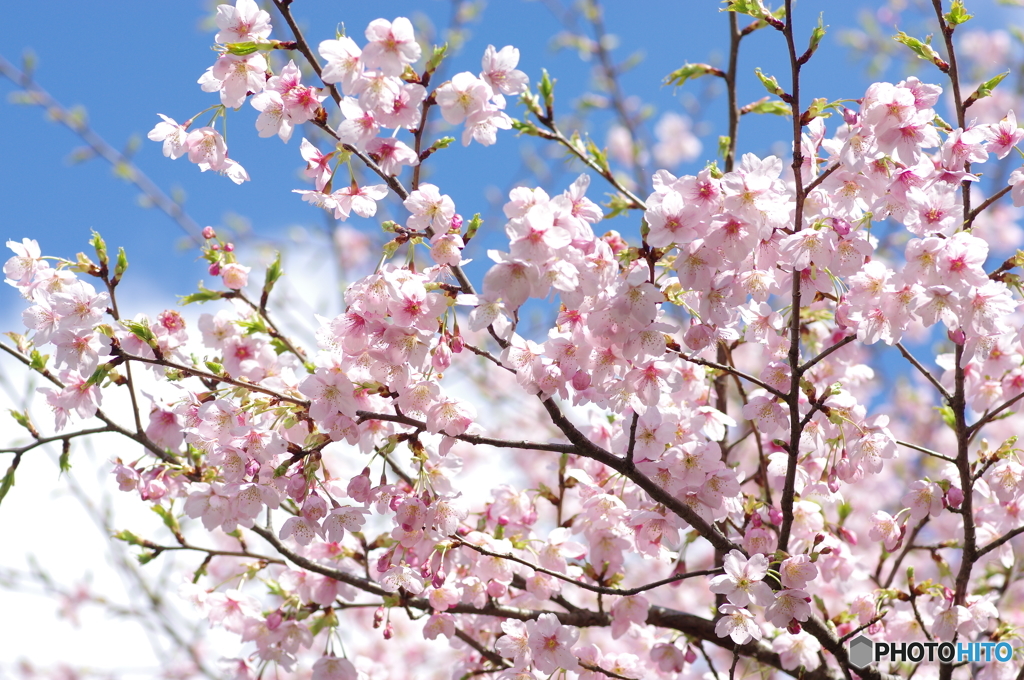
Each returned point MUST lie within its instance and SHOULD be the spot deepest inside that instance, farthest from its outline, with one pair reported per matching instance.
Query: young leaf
(922, 48)
(690, 72)
(769, 82)
(957, 14)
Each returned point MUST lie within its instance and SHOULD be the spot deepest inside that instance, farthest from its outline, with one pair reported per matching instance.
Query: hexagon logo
(861, 650)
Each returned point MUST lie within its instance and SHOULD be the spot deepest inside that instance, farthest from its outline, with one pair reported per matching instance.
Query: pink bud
(456, 222)
(755, 520)
(496, 589)
(794, 627)
(503, 520)
(439, 578)
(359, 487)
(229, 247)
(954, 497)
(442, 358)
(581, 381)
(215, 269)
(458, 344)
(389, 631)
(848, 535)
(384, 561)
(775, 515)
(841, 226)
(958, 336)
(833, 481)
(274, 618)
(850, 117)
(378, 616)
(691, 654)
(215, 247)
(209, 233)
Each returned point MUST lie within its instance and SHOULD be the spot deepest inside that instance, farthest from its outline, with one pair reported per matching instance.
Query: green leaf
(100, 245)
(128, 537)
(769, 82)
(947, 415)
(752, 8)
(203, 295)
(985, 89)
(121, 265)
(724, 142)
(170, 521)
(141, 330)
(38, 360)
(390, 248)
(922, 48)
(689, 72)
(146, 556)
(598, 156)
(7, 482)
(816, 35)
(472, 227)
(957, 14)
(65, 456)
(214, 367)
(546, 88)
(274, 272)
(242, 49)
(442, 143)
(772, 106)
(436, 57)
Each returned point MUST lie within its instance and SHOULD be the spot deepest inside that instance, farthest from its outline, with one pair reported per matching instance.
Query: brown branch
(604, 590)
(924, 371)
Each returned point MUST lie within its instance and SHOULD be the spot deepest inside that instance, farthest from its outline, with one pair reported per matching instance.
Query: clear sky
(126, 61)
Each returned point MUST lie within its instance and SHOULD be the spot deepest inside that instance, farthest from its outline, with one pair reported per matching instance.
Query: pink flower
(392, 46)
(789, 605)
(742, 583)
(245, 22)
(886, 528)
(235, 276)
(172, 134)
(737, 624)
(797, 570)
(206, 148)
(627, 611)
(797, 650)
(499, 70)
(344, 62)
(334, 668)
(551, 644)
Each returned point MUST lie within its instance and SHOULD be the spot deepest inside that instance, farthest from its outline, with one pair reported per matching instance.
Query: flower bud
(389, 631)
(378, 616)
(456, 222)
(209, 233)
(954, 497)
(496, 589)
(957, 336)
(581, 381)
(215, 269)
(274, 618)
